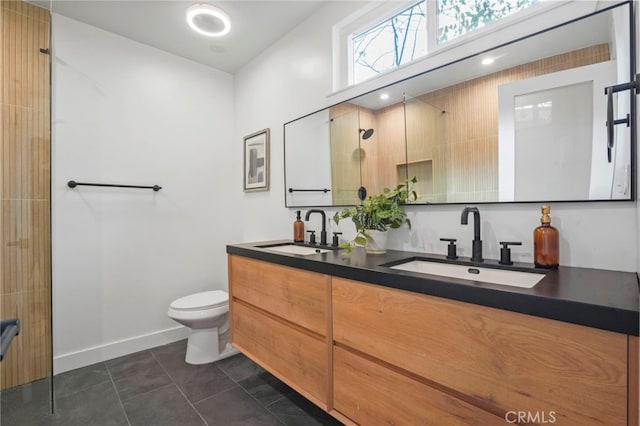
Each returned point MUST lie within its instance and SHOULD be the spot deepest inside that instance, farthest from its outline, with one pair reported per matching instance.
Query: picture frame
(256, 161)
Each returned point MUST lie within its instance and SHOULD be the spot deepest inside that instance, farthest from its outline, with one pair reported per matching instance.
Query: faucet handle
(312, 237)
(505, 252)
(336, 239)
(451, 248)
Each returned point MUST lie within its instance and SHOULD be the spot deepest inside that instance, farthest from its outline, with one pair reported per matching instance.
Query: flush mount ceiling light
(487, 61)
(208, 20)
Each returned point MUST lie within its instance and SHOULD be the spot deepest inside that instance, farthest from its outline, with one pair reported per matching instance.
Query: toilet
(207, 315)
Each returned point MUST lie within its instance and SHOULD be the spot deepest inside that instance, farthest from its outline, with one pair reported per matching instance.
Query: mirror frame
(632, 120)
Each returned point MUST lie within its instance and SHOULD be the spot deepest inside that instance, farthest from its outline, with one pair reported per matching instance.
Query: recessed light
(384, 96)
(208, 20)
(487, 61)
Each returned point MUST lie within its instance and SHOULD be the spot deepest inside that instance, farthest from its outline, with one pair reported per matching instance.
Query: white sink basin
(473, 273)
(295, 249)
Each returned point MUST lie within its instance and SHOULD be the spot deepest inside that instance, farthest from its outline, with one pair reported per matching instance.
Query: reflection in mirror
(426, 150)
(537, 118)
(346, 155)
(529, 127)
(309, 160)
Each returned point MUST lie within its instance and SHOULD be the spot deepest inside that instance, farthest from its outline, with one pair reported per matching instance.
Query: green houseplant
(378, 213)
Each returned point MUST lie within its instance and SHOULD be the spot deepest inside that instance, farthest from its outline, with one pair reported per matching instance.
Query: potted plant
(375, 215)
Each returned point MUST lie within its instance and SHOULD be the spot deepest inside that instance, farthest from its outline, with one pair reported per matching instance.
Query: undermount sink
(295, 249)
(472, 273)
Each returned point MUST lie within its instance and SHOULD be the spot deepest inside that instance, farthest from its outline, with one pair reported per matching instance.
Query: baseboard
(88, 356)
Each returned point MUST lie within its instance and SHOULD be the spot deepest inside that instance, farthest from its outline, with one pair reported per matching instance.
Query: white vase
(377, 242)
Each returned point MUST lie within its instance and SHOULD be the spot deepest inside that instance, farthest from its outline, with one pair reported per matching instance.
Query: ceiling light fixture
(208, 20)
(487, 61)
(384, 96)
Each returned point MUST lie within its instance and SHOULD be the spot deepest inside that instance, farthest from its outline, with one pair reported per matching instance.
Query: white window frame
(370, 15)
(473, 41)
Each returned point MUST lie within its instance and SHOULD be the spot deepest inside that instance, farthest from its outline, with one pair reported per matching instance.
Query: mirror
(531, 127)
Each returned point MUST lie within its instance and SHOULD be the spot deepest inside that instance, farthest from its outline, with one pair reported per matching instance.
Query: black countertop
(597, 298)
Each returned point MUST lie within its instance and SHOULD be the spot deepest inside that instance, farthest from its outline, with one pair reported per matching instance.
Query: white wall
(298, 69)
(127, 113)
(289, 80)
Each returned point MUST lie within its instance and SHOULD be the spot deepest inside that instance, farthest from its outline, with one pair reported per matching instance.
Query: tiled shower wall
(25, 247)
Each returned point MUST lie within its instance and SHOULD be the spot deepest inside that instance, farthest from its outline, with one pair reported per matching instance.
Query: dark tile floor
(156, 387)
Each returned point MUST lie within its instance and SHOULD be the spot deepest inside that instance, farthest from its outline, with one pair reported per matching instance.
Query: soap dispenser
(546, 247)
(298, 229)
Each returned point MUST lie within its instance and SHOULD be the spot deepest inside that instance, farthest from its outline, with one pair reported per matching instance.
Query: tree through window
(458, 17)
(402, 38)
(396, 41)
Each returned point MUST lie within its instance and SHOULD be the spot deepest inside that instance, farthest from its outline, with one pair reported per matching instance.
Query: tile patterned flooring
(156, 387)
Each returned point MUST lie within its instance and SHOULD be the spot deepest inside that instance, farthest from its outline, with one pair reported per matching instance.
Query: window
(396, 41)
(458, 17)
(396, 38)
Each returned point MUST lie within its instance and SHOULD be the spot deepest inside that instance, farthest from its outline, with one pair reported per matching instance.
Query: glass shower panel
(25, 237)
(345, 154)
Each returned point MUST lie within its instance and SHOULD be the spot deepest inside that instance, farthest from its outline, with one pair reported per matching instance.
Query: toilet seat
(201, 301)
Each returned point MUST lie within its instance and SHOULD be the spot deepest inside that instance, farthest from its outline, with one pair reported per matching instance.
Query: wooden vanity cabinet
(279, 318)
(468, 359)
(374, 355)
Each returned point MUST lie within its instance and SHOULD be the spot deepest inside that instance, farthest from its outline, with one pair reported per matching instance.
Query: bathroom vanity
(371, 344)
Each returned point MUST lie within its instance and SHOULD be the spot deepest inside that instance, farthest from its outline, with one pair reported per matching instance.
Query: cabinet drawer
(298, 358)
(295, 295)
(371, 394)
(504, 360)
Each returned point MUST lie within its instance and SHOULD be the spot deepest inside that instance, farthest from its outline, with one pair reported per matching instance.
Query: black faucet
(477, 242)
(323, 233)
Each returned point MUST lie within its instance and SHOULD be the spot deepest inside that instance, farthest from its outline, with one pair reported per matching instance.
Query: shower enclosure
(25, 237)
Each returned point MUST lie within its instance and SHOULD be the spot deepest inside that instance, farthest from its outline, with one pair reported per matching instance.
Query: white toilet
(207, 314)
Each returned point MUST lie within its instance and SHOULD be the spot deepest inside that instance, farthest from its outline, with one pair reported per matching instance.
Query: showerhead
(366, 134)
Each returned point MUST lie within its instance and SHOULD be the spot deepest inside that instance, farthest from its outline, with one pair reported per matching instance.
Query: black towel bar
(325, 190)
(73, 184)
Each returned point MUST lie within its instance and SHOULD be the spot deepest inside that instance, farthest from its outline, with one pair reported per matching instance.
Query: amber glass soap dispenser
(546, 246)
(298, 229)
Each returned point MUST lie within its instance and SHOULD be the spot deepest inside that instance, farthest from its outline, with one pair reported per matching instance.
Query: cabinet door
(296, 357)
(503, 360)
(634, 381)
(293, 294)
(371, 394)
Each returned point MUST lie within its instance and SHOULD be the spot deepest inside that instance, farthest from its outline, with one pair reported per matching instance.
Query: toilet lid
(204, 300)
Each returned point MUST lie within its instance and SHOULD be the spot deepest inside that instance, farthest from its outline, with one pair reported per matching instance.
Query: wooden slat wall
(345, 154)
(25, 246)
(370, 151)
(391, 147)
(426, 150)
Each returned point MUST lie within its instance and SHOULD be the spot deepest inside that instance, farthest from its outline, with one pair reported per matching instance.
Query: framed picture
(256, 161)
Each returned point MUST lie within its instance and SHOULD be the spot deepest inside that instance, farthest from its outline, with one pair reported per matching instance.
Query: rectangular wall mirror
(530, 127)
